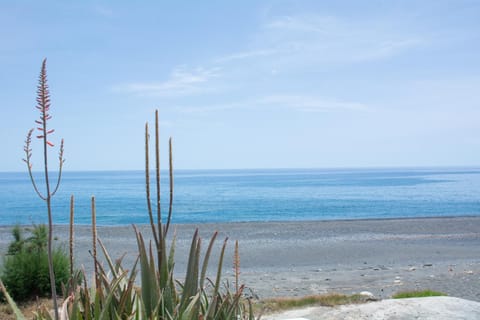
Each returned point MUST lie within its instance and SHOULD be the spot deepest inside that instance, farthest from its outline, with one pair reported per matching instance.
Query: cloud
(386, 49)
(312, 23)
(200, 109)
(280, 47)
(316, 40)
(181, 82)
(103, 11)
(293, 102)
(246, 55)
(311, 103)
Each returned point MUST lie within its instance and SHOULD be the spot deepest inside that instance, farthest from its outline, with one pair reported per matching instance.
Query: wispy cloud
(103, 11)
(311, 103)
(316, 40)
(299, 44)
(181, 82)
(313, 23)
(246, 55)
(219, 107)
(388, 48)
(292, 102)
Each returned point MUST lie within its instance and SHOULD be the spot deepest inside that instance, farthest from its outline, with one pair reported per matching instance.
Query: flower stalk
(43, 105)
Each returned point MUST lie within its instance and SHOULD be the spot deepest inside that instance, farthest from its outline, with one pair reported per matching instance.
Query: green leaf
(190, 287)
(216, 287)
(150, 290)
(190, 311)
(206, 258)
(105, 313)
(13, 305)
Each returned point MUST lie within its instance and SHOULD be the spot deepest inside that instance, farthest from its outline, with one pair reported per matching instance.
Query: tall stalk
(158, 229)
(147, 185)
(94, 244)
(236, 267)
(71, 241)
(43, 105)
(170, 175)
(157, 170)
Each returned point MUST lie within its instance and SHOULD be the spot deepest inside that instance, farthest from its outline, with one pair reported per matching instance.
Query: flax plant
(43, 105)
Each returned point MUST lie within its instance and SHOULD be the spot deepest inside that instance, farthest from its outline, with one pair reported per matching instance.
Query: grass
(327, 300)
(330, 300)
(417, 294)
(267, 306)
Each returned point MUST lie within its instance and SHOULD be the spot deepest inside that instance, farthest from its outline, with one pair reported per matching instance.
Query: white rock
(430, 308)
(367, 294)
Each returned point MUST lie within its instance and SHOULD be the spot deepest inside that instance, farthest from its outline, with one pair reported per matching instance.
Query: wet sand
(302, 258)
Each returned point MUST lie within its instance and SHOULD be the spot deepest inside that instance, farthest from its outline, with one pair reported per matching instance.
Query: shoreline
(82, 225)
(298, 258)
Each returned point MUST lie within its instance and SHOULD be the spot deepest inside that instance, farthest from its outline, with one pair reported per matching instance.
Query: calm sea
(252, 195)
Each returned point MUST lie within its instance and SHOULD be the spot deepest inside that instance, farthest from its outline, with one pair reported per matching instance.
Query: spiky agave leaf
(108, 305)
(190, 287)
(13, 305)
(206, 259)
(149, 284)
(123, 294)
(167, 282)
(216, 287)
(234, 308)
(191, 310)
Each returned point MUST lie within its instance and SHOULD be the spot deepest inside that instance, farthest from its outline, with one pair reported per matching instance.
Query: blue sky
(246, 84)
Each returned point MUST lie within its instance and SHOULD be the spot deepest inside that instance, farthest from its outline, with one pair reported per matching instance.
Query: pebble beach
(280, 259)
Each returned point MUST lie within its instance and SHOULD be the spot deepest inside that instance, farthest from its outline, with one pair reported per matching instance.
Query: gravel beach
(316, 257)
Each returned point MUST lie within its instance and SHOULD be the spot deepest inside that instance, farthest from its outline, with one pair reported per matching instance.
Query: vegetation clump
(326, 300)
(418, 294)
(25, 271)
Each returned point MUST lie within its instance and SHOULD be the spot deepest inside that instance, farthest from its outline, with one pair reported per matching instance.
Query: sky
(245, 84)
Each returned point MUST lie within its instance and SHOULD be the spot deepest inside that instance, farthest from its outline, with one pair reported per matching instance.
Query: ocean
(210, 196)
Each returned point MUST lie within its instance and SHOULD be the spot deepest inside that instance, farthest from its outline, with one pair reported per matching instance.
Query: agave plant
(159, 296)
(115, 294)
(192, 299)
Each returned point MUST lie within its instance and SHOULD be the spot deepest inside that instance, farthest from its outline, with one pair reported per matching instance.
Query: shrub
(26, 273)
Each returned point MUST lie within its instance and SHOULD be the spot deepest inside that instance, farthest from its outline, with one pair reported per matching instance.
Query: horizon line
(273, 168)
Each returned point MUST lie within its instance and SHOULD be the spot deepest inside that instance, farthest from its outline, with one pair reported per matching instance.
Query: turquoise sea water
(252, 195)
